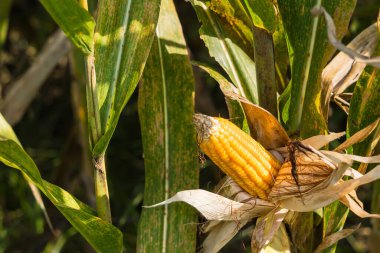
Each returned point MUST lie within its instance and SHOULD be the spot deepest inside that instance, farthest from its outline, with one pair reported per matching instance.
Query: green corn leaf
(123, 37)
(301, 106)
(75, 22)
(235, 110)
(5, 7)
(263, 14)
(226, 45)
(170, 151)
(364, 110)
(102, 236)
(281, 57)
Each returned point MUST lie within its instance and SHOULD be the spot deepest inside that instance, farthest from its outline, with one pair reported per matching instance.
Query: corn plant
(278, 78)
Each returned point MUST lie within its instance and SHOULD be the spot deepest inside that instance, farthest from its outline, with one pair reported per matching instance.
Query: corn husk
(266, 228)
(346, 67)
(263, 126)
(229, 213)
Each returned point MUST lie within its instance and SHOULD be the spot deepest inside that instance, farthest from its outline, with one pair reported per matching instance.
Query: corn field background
(156, 63)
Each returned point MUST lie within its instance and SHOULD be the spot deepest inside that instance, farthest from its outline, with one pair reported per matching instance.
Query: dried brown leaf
(358, 136)
(312, 172)
(220, 233)
(319, 141)
(24, 90)
(321, 198)
(333, 238)
(280, 242)
(331, 33)
(263, 126)
(215, 207)
(343, 70)
(266, 227)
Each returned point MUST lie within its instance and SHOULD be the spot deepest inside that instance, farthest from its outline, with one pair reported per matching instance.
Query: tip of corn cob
(205, 126)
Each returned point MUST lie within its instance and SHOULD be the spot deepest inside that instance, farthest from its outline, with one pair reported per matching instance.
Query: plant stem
(101, 188)
(265, 69)
(95, 130)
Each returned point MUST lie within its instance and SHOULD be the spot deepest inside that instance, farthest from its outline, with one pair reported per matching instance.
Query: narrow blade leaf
(75, 22)
(301, 106)
(263, 14)
(101, 235)
(166, 109)
(123, 37)
(226, 47)
(235, 110)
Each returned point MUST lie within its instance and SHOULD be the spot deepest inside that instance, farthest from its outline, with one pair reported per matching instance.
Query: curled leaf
(263, 126)
(319, 141)
(333, 238)
(358, 136)
(321, 198)
(305, 171)
(343, 70)
(331, 33)
(266, 228)
(221, 233)
(215, 207)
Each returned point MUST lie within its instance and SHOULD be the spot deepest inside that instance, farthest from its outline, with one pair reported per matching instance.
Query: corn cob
(237, 154)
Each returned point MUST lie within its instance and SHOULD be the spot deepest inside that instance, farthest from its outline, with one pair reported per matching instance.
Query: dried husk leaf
(321, 198)
(280, 243)
(219, 233)
(357, 208)
(263, 126)
(215, 207)
(358, 136)
(222, 232)
(266, 227)
(319, 141)
(312, 171)
(343, 70)
(333, 238)
(331, 34)
(347, 66)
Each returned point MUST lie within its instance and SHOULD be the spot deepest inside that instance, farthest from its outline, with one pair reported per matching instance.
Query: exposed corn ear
(237, 154)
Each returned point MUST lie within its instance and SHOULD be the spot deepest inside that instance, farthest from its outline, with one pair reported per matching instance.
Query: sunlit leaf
(5, 7)
(101, 235)
(75, 22)
(301, 106)
(224, 46)
(263, 14)
(123, 37)
(236, 113)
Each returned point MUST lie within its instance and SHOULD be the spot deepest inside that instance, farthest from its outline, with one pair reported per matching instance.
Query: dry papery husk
(319, 184)
(346, 67)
